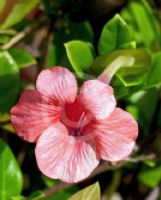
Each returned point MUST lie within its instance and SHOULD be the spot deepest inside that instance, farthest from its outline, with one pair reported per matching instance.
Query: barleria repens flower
(73, 129)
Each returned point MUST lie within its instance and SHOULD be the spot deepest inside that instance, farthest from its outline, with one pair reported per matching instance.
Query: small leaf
(150, 176)
(22, 58)
(49, 182)
(149, 163)
(91, 192)
(114, 35)
(8, 127)
(16, 11)
(4, 39)
(80, 55)
(130, 73)
(4, 118)
(9, 81)
(129, 45)
(154, 75)
(10, 174)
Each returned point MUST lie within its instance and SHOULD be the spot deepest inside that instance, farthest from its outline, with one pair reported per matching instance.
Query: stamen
(80, 125)
(75, 132)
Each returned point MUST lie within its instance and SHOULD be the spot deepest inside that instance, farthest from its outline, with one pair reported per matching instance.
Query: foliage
(123, 38)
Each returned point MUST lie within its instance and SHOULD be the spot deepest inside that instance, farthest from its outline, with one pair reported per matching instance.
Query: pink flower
(72, 132)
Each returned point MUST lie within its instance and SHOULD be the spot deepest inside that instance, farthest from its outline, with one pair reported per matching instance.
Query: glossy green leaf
(11, 180)
(80, 55)
(150, 176)
(19, 10)
(9, 81)
(91, 192)
(154, 75)
(133, 63)
(114, 35)
(22, 58)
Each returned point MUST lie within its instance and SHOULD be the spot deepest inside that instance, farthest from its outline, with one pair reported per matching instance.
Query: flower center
(75, 132)
(74, 118)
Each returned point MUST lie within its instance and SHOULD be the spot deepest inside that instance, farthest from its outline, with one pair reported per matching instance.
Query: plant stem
(16, 38)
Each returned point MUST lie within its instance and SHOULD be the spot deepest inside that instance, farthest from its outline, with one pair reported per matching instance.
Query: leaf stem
(16, 38)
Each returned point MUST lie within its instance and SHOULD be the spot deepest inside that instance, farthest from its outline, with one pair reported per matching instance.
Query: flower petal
(97, 98)
(32, 115)
(57, 83)
(64, 157)
(115, 137)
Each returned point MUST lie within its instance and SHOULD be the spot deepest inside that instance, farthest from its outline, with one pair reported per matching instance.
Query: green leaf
(91, 192)
(150, 176)
(22, 58)
(129, 45)
(36, 195)
(19, 10)
(4, 39)
(67, 32)
(9, 81)
(144, 26)
(59, 195)
(114, 35)
(49, 182)
(143, 106)
(154, 75)
(10, 174)
(134, 64)
(120, 90)
(2, 3)
(18, 198)
(80, 55)
(8, 127)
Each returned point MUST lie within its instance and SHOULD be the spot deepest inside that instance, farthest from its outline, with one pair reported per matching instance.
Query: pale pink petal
(32, 115)
(64, 157)
(97, 98)
(57, 83)
(115, 137)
